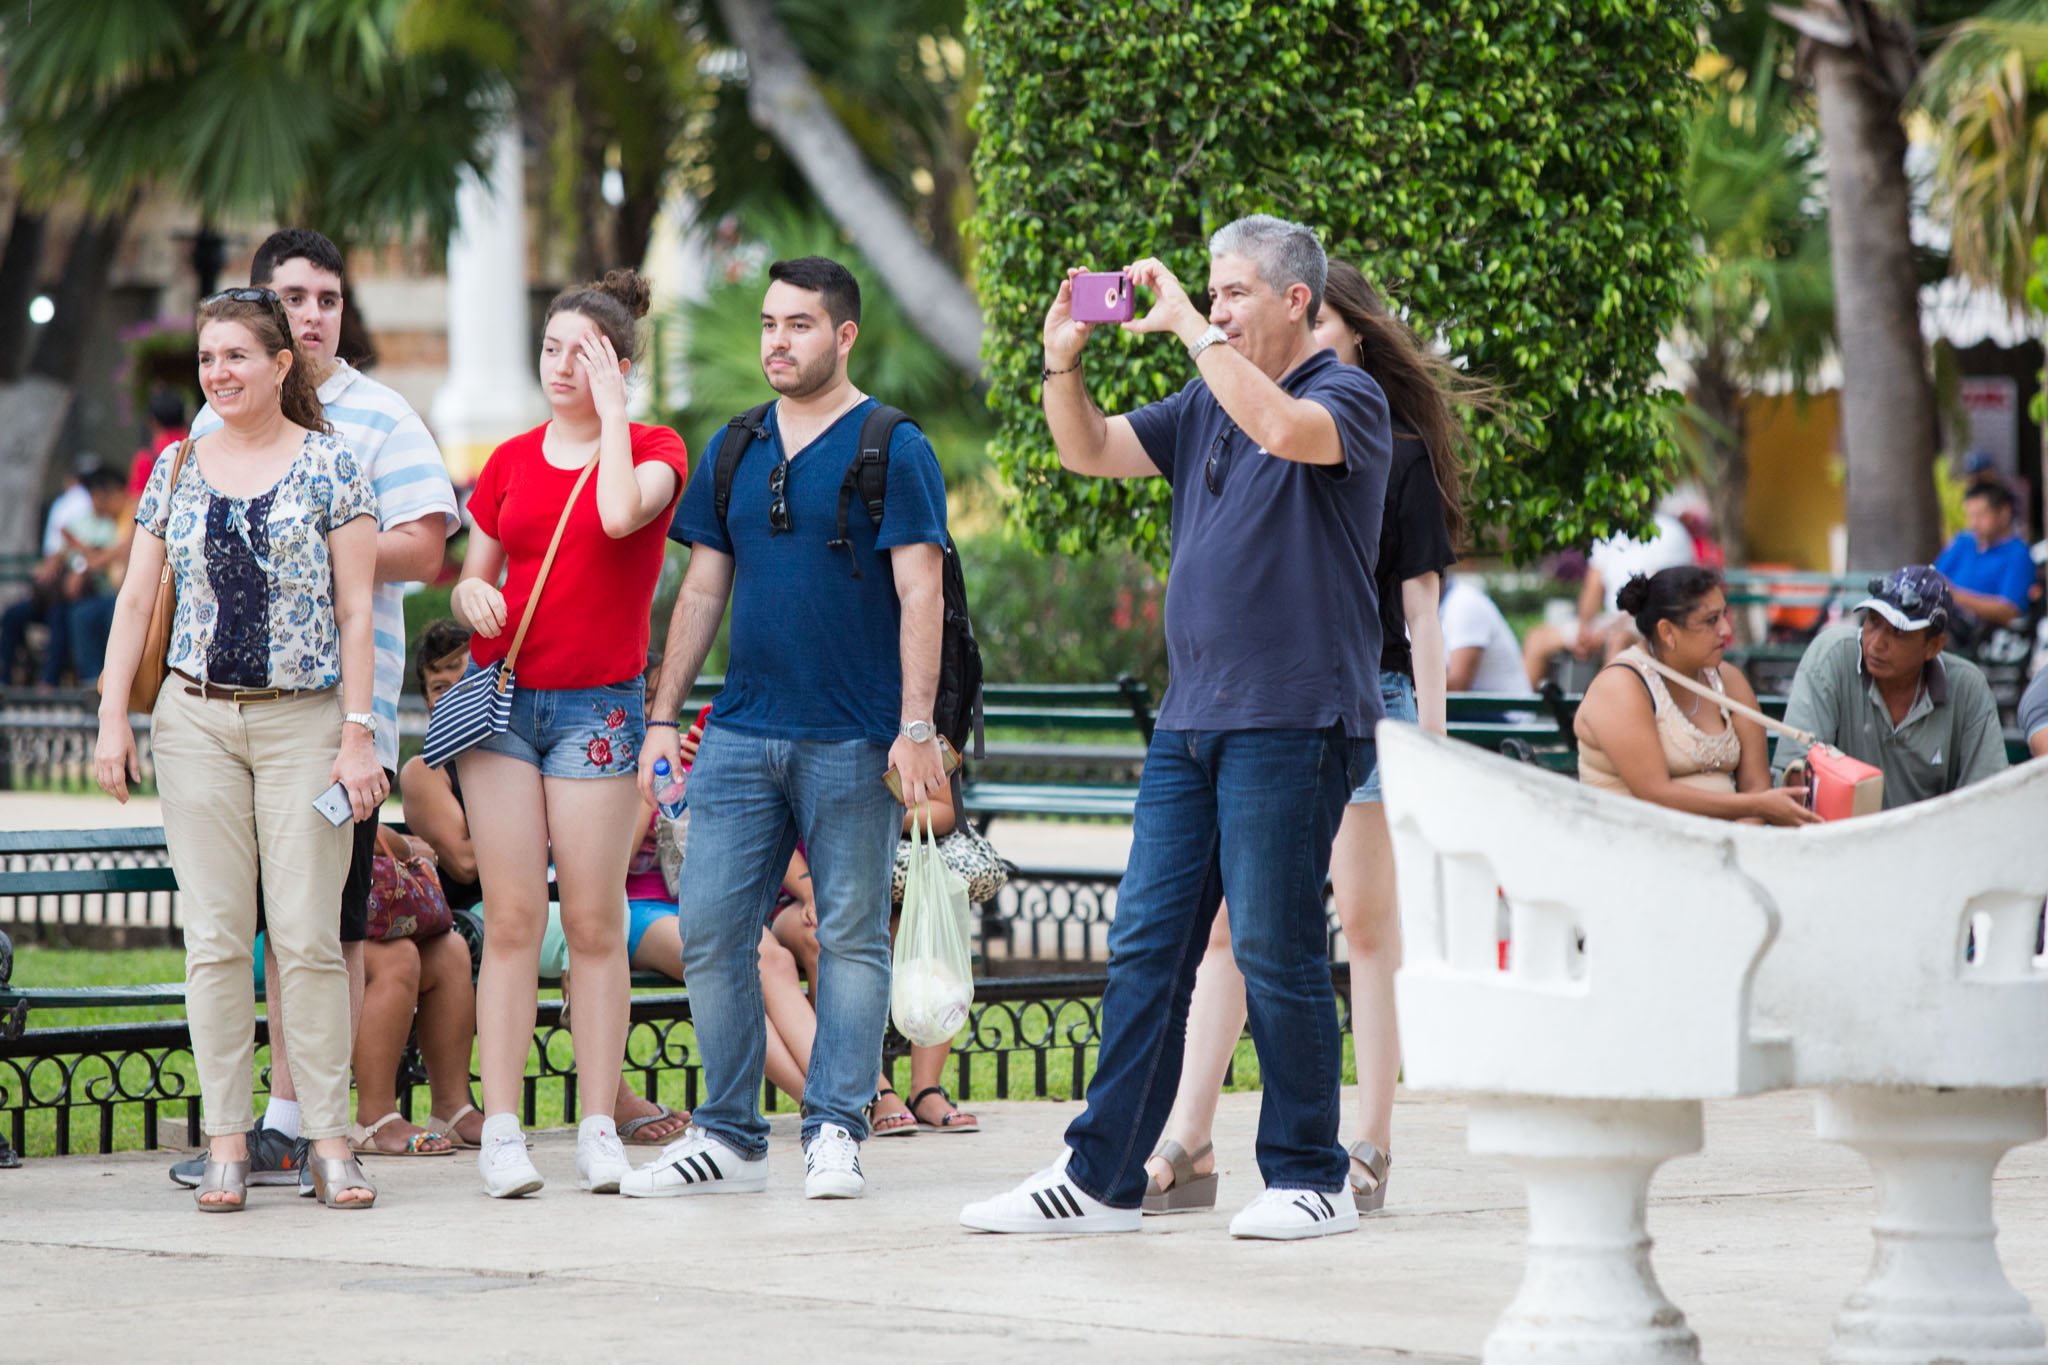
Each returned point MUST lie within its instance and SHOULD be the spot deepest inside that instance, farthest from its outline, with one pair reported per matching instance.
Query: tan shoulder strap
(541, 579)
(177, 468)
(1722, 699)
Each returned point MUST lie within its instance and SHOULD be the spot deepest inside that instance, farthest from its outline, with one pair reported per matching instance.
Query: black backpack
(957, 709)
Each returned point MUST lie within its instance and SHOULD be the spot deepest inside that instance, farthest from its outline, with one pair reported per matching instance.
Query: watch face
(919, 731)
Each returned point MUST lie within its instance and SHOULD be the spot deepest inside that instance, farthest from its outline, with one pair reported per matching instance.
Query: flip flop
(954, 1120)
(363, 1142)
(630, 1127)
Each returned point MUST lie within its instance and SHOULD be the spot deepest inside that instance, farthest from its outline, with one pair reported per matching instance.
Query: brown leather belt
(242, 695)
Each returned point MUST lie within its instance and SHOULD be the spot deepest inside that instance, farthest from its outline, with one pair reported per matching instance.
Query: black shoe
(274, 1159)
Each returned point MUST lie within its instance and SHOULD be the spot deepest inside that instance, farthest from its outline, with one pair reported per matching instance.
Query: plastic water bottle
(668, 792)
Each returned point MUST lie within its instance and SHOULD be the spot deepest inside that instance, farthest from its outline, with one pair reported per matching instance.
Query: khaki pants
(238, 784)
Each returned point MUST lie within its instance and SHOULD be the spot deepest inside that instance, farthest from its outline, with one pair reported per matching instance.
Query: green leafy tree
(1509, 172)
(1764, 301)
(1986, 90)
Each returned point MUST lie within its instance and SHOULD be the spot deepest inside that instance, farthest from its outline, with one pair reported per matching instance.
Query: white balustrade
(1905, 975)
(1659, 959)
(1626, 1002)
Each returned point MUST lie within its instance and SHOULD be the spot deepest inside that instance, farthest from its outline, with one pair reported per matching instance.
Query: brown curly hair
(266, 322)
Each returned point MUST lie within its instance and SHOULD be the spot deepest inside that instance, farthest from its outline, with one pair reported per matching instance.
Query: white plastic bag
(932, 987)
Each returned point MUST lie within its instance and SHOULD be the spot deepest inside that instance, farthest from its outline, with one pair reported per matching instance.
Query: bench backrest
(1906, 952)
(1655, 1005)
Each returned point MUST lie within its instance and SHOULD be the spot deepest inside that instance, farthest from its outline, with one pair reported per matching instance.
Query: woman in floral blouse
(271, 535)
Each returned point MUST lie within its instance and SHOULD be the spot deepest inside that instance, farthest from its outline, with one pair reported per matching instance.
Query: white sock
(501, 1128)
(282, 1116)
(595, 1126)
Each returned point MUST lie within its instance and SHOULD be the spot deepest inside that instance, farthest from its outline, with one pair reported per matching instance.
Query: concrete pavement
(1758, 1240)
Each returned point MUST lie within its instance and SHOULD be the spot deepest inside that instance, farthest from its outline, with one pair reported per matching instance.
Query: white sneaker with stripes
(1283, 1215)
(696, 1163)
(832, 1165)
(1048, 1202)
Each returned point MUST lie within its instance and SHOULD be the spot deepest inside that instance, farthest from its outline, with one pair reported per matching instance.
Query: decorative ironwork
(1027, 1037)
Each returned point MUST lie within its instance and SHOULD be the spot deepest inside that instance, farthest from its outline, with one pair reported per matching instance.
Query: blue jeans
(14, 623)
(1246, 816)
(751, 797)
(574, 731)
(91, 621)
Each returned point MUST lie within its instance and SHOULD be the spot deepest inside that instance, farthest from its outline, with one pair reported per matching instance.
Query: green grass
(1018, 1025)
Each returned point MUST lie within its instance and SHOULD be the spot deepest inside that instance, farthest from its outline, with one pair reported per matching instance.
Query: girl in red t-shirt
(561, 780)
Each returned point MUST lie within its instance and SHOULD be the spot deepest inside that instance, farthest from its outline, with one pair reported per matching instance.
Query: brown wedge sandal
(1191, 1191)
(1377, 1165)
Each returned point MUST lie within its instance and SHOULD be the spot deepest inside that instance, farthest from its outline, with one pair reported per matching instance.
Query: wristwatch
(363, 718)
(1206, 340)
(919, 731)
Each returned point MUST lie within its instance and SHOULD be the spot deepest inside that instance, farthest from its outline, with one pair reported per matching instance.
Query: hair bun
(1634, 594)
(630, 288)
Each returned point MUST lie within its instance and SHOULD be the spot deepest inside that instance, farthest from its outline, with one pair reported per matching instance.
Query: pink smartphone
(1104, 296)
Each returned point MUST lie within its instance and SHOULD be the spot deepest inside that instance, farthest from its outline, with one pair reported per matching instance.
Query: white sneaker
(600, 1158)
(1283, 1215)
(1048, 1202)
(696, 1163)
(507, 1171)
(832, 1165)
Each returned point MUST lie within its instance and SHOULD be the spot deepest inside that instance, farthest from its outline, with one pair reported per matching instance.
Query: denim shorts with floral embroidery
(575, 731)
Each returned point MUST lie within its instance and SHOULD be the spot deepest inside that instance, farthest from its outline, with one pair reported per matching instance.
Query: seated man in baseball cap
(1881, 690)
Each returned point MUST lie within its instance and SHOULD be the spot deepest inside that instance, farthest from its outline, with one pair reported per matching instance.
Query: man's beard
(804, 380)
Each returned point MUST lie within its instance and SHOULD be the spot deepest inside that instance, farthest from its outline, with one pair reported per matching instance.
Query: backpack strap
(868, 475)
(741, 432)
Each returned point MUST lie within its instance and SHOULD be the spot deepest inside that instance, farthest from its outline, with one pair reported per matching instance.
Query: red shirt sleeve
(489, 494)
(663, 444)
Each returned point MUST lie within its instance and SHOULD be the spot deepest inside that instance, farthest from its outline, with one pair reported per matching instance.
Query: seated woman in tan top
(1640, 737)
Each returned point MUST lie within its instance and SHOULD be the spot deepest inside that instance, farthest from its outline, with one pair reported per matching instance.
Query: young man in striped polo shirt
(416, 514)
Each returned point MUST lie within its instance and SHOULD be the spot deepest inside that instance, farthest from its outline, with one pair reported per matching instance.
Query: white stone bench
(1930, 1057)
(1586, 1066)
(1721, 960)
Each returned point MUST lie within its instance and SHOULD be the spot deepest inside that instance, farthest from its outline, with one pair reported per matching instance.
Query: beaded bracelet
(671, 724)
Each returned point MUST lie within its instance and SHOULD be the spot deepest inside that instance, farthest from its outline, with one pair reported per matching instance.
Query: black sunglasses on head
(251, 295)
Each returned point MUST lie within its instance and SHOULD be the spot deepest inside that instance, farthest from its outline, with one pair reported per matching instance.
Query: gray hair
(1286, 254)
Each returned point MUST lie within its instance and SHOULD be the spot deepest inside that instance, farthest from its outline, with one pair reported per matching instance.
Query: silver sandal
(1190, 1191)
(223, 1177)
(333, 1174)
(1377, 1164)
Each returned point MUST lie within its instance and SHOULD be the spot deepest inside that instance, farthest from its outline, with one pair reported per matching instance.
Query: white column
(1589, 1295)
(1936, 1290)
(491, 391)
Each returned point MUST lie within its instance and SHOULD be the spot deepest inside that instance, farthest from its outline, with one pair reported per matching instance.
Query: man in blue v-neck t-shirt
(831, 683)
(1278, 455)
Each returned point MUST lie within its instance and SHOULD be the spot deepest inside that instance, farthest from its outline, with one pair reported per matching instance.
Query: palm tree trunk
(33, 407)
(784, 99)
(1725, 438)
(20, 268)
(1888, 422)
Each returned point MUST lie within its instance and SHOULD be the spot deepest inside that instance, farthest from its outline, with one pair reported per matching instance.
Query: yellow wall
(1795, 488)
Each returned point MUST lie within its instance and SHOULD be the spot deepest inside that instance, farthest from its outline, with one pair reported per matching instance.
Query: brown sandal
(1191, 1191)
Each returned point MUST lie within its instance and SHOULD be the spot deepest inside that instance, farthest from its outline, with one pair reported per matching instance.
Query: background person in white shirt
(1480, 650)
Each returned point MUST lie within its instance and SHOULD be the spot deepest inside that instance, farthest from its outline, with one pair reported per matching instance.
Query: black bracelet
(1047, 374)
(671, 724)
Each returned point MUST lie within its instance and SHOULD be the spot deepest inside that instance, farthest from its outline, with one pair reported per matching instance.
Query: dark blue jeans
(1247, 817)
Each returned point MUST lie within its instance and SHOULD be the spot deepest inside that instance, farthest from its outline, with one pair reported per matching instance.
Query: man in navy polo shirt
(1278, 455)
(831, 683)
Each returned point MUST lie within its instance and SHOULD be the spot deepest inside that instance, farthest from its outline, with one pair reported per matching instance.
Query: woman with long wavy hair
(1423, 522)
